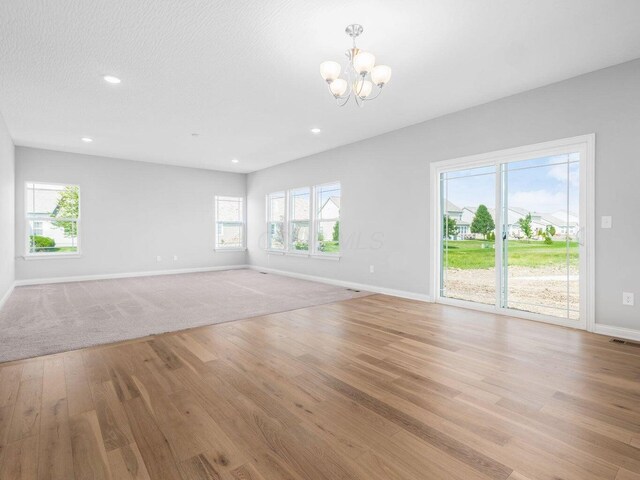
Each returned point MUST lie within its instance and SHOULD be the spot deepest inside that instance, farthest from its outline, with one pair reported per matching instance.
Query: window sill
(57, 256)
(229, 250)
(326, 256)
(298, 254)
(319, 256)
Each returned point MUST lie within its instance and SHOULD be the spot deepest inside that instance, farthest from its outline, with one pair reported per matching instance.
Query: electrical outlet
(627, 298)
(158, 258)
(606, 222)
(371, 269)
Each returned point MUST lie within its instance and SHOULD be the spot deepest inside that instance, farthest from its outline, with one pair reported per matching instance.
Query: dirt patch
(540, 290)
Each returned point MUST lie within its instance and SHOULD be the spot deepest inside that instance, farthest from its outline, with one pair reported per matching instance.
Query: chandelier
(359, 64)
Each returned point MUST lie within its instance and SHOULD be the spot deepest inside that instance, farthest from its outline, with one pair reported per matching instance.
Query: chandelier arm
(362, 80)
(377, 94)
(346, 100)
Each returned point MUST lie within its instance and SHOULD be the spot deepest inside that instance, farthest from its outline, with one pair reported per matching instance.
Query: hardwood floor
(373, 388)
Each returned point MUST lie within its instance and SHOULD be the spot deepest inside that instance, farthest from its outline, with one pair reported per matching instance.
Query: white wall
(131, 213)
(7, 223)
(385, 184)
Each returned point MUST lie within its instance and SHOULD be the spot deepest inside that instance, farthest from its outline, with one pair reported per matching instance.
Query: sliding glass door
(540, 231)
(468, 248)
(510, 234)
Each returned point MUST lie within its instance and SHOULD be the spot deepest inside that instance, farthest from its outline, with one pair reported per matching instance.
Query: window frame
(285, 233)
(317, 220)
(314, 221)
(28, 255)
(290, 221)
(242, 224)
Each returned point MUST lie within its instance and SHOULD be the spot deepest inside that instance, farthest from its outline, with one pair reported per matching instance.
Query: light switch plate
(606, 221)
(627, 298)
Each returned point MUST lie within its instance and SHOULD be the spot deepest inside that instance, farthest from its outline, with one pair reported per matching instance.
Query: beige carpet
(42, 319)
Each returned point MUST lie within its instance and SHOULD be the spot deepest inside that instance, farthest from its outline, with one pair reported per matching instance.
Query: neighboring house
(331, 212)
(456, 213)
(565, 223)
(300, 220)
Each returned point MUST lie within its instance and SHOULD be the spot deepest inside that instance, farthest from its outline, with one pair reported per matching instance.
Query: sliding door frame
(585, 145)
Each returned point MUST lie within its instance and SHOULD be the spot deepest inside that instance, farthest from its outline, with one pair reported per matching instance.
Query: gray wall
(131, 213)
(7, 223)
(385, 184)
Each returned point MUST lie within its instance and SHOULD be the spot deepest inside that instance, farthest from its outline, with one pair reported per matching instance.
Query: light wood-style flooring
(373, 388)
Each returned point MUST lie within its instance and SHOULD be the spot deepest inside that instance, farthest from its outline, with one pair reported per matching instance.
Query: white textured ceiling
(244, 74)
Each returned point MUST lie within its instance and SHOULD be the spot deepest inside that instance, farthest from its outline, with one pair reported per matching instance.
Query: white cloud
(559, 172)
(539, 200)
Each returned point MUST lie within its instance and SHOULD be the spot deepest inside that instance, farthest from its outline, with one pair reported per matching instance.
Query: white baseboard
(6, 296)
(109, 276)
(618, 332)
(341, 283)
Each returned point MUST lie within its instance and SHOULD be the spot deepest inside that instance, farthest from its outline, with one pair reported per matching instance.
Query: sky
(539, 185)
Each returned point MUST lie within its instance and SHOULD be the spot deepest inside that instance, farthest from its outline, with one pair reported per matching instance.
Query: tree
(482, 221)
(451, 228)
(525, 226)
(552, 230)
(336, 231)
(547, 234)
(68, 207)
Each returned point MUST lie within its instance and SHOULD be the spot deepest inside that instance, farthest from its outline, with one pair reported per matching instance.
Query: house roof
(451, 207)
(334, 200)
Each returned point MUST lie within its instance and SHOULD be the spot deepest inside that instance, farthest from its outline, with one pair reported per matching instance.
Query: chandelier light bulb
(380, 75)
(338, 87)
(330, 70)
(364, 62)
(363, 88)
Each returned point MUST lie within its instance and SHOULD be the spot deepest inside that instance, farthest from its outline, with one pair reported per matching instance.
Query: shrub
(42, 244)
(301, 246)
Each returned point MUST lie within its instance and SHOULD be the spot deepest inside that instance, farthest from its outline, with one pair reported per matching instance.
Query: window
(276, 209)
(229, 223)
(37, 228)
(52, 219)
(289, 216)
(299, 219)
(328, 218)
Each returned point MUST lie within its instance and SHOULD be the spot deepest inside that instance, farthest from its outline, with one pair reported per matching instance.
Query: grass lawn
(473, 254)
(330, 247)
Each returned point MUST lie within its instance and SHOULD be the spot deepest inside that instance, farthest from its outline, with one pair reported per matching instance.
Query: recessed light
(87, 139)
(235, 160)
(111, 79)
(315, 131)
